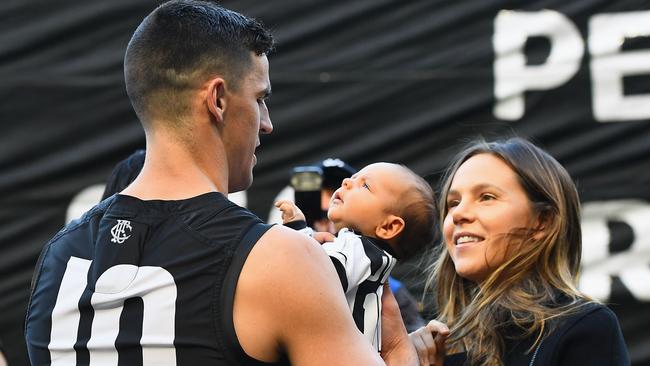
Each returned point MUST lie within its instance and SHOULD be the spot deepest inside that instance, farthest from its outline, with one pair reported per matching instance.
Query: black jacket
(590, 337)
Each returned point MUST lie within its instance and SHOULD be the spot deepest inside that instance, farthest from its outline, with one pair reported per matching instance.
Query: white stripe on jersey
(154, 285)
(66, 315)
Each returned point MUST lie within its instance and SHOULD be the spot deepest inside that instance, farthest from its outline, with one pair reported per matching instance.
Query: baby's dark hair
(417, 207)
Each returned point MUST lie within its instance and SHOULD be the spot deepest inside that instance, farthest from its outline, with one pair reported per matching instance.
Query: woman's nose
(462, 212)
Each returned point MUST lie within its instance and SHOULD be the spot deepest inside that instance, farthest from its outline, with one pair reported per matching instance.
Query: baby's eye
(365, 185)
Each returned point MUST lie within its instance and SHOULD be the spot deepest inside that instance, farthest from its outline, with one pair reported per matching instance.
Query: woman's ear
(215, 98)
(543, 222)
(390, 227)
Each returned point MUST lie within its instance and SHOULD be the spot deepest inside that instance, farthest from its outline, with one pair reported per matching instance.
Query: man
(169, 272)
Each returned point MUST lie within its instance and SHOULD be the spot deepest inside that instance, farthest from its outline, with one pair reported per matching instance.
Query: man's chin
(241, 185)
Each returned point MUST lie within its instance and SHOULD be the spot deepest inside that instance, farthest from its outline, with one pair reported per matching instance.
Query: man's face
(246, 117)
(363, 201)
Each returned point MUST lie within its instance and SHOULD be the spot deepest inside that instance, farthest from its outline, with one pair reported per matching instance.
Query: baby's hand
(290, 212)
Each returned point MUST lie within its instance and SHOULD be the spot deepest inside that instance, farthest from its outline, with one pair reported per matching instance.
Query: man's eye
(452, 203)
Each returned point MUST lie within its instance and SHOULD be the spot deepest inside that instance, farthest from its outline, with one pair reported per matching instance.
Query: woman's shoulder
(590, 332)
(588, 313)
(591, 317)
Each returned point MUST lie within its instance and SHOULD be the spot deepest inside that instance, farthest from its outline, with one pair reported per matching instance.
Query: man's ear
(215, 98)
(390, 227)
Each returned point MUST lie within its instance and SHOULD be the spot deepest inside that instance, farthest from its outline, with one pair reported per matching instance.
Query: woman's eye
(452, 203)
(487, 197)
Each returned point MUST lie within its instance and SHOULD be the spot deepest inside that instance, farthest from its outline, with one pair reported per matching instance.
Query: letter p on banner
(512, 77)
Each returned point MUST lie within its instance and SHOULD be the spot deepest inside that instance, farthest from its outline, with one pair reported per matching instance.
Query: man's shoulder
(88, 220)
(283, 256)
(283, 243)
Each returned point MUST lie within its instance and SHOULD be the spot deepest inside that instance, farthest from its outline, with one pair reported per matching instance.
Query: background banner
(364, 81)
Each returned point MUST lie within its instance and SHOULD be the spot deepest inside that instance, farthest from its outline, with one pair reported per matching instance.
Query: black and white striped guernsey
(143, 283)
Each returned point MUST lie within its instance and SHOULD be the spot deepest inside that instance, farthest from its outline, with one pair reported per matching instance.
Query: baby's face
(364, 200)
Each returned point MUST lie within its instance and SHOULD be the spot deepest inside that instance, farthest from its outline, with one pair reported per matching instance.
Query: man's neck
(172, 170)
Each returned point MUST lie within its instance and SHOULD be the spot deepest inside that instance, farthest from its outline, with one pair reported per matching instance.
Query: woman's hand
(429, 341)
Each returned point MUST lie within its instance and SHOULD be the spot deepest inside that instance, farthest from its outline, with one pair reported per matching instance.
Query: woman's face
(485, 203)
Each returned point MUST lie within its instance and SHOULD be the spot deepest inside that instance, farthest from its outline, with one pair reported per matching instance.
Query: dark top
(592, 337)
(143, 283)
(124, 173)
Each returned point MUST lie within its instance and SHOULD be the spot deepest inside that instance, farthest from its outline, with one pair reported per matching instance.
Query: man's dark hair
(179, 46)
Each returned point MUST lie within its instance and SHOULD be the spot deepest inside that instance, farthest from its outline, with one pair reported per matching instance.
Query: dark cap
(334, 171)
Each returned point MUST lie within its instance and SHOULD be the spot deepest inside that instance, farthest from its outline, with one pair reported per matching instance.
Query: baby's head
(388, 202)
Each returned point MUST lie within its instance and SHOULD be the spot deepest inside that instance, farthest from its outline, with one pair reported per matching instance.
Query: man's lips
(254, 151)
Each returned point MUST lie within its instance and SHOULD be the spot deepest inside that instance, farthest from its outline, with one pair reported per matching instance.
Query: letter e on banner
(609, 65)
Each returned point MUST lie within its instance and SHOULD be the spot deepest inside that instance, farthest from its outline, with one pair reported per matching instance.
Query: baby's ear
(390, 227)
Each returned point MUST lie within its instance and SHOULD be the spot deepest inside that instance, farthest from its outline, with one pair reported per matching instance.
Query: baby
(382, 213)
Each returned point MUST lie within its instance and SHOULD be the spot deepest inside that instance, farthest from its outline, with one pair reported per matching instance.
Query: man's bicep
(319, 329)
(310, 314)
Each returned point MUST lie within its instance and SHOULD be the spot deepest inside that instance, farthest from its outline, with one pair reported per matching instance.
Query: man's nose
(266, 126)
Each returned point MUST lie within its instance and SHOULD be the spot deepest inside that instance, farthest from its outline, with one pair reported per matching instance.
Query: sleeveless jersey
(143, 283)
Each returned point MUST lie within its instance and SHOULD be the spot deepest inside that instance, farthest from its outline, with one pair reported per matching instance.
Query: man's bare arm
(289, 299)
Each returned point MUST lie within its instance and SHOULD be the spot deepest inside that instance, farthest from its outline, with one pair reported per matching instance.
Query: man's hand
(290, 212)
(429, 341)
(396, 348)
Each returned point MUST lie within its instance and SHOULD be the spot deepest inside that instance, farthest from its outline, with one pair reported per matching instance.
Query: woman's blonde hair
(538, 280)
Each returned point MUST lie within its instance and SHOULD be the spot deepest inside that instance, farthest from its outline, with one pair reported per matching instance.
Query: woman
(506, 276)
